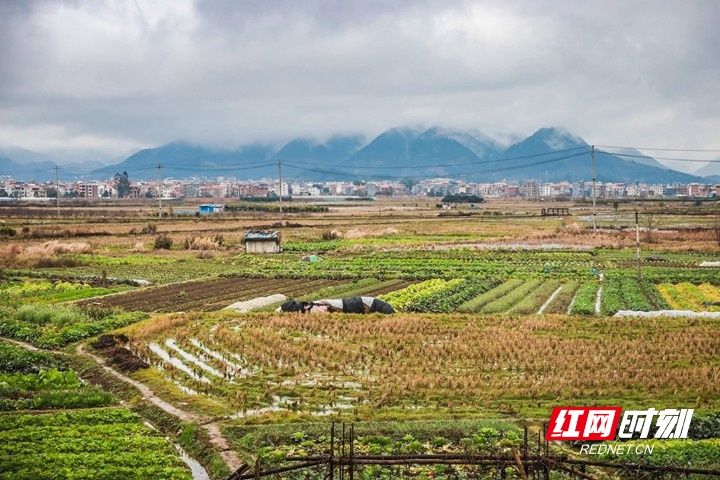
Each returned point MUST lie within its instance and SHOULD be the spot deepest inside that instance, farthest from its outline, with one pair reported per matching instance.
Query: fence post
(546, 468)
(331, 462)
(525, 449)
(342, 453)
(352, 451)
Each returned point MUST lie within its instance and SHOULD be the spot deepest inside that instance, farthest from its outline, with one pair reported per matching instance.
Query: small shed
(210, 208)
(262, 241)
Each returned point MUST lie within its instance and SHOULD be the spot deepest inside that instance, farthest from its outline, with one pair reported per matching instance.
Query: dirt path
(24, 345)
(232, 460)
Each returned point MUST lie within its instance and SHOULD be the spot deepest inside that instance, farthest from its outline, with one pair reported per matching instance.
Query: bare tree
(652, 223)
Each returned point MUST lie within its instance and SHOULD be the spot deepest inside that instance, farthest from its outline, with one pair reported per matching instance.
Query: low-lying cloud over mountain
(551, 154)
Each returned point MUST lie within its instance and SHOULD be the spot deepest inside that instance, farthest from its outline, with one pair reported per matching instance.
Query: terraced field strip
(686, 296)
(475, 304)
(585, 299)
(206, 295)
(560, 304)
(550, 299)
(287, 367)
(508, 301)
(538, 297)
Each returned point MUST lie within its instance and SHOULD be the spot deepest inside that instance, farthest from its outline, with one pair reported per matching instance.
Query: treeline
(276, 208)
(462, 198)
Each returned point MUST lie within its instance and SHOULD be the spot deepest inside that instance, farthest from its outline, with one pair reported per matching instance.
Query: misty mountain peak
(558, 138)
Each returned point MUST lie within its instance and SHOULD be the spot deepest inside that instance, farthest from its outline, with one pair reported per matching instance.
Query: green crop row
(679, 453)
(53, 326)
(449, 300)
(404, 299)
(17, 359)
(476, 303)
(532, 303)
(628, 293)
(562, 301)
(584, 301)
(103, 444)
(38, 380)
(16, 293)
(686, 296)
(511, 298)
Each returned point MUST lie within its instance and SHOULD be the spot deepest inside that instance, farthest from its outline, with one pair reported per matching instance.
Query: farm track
(206, 295)
(229, 456)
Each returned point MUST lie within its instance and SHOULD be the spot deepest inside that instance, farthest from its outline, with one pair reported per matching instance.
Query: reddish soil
(206, 295)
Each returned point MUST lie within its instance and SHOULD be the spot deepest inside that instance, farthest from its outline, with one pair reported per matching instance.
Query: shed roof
(262, 235)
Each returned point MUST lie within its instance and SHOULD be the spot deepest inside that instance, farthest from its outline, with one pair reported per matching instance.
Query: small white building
(262, 241)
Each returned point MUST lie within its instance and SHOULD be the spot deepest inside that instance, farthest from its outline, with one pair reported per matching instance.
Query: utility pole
(637, 245)
(159, 167)
(594, 211)
(280, 185)
(57, 191)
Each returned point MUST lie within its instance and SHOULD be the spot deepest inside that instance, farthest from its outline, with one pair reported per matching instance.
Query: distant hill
(29, 171)
(555, 154)
(308, 158)
(549, 154)
(182, 160)
(411, 152)
(636, 156)
(711, 169)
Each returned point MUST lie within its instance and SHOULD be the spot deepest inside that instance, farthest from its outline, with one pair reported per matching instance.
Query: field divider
(140, 290)
(598, 300)
(572, 302)
(550, 299)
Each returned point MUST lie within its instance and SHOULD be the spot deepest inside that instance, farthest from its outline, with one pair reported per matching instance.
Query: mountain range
(549, 154)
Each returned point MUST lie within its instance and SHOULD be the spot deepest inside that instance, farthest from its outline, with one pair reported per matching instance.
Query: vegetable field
(85, 444)
(501, 314)
(686, 296)
(206, 295)
(260, 365)
(26, 290)
(87, 437)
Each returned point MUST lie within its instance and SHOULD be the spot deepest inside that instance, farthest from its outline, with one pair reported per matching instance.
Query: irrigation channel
(531, 460)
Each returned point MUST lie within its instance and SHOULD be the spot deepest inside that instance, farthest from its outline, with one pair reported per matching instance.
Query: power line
(594, 223)
(159, 167)
(57, 191)
(665, 149)
(543, 162)
(388, 177)
(204, 167)
(479, 162)
(664, 158)
(343, 173)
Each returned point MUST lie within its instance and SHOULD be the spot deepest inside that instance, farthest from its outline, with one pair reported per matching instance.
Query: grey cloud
(140, 73)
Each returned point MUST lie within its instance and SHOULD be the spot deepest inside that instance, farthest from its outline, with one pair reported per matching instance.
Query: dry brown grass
(57, 247)
(470, 361)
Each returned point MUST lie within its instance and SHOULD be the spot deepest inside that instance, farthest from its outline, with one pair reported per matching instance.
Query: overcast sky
(112, 76)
